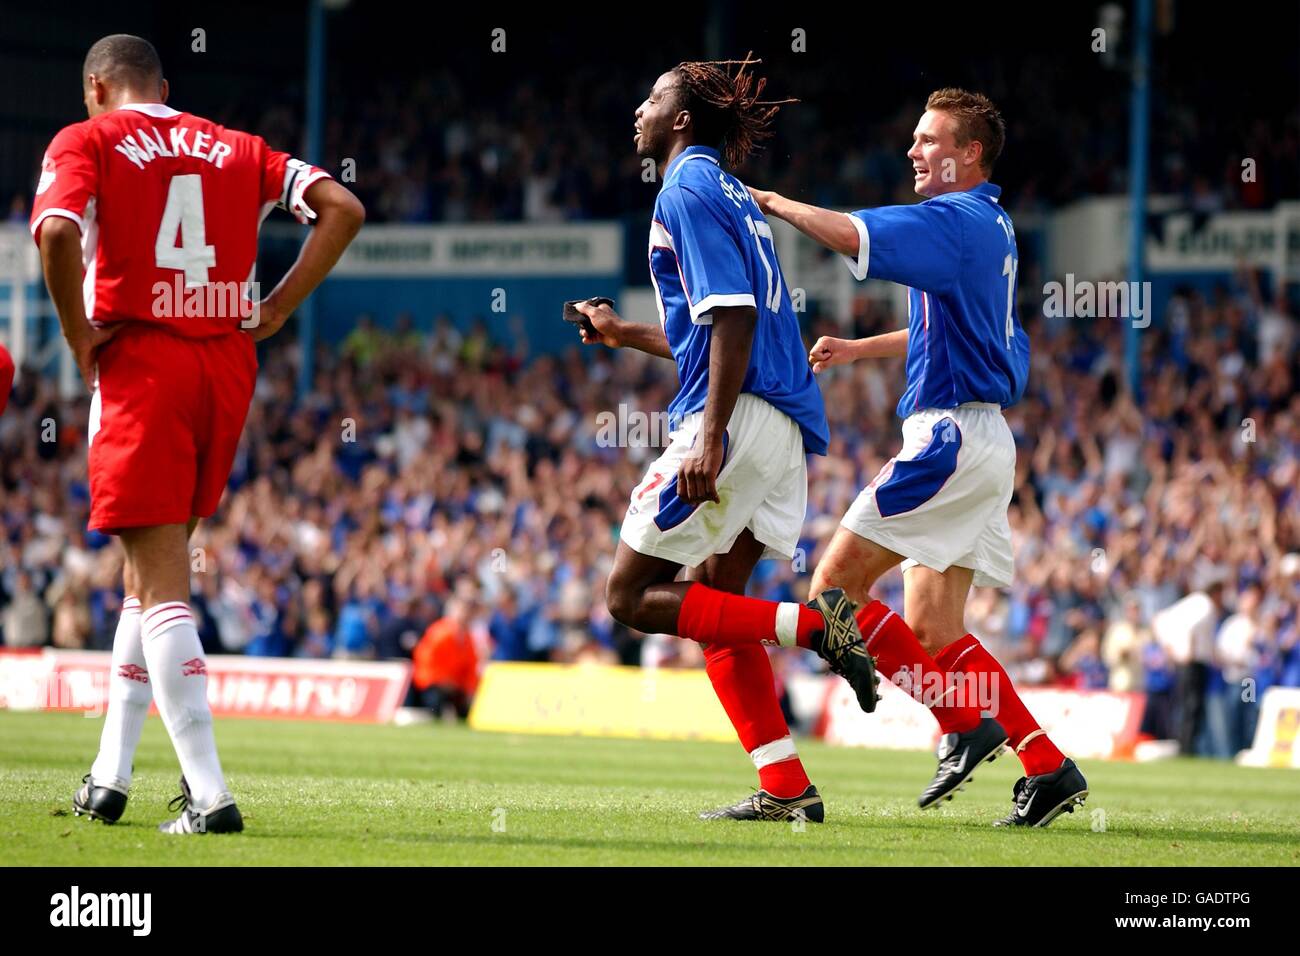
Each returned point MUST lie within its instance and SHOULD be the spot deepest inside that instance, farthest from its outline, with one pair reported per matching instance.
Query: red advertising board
(287, 688)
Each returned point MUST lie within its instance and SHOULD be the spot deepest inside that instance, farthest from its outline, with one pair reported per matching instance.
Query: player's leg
(935, 603)
(854, 562)
(103, 792)
(129, 697)
(643, 593)
(640, 592)
(742, 678)
(215, 396)
(764, 463)
(639, 596)
(660, 531)
(699, 612)
(225, 376)
(178, 672)
(124, 464)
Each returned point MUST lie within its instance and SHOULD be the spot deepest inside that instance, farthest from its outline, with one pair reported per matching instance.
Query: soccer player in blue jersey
(731, 487)
(940, 506)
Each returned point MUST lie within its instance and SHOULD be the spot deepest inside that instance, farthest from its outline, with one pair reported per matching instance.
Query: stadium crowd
(448, 498)
(432, 148)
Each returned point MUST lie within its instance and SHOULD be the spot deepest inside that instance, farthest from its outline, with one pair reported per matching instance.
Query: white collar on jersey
(686, 155)
(156, 110)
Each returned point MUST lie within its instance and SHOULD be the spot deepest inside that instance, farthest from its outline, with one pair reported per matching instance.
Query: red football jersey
(169, 206)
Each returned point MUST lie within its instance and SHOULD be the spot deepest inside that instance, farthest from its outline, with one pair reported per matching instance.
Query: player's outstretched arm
(339, 216)
(830, 351)
(729, 348)
(61, 260)
(615, 332)
(834, 230)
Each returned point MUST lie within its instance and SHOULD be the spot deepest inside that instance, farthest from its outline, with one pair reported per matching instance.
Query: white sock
(129, 693)
(180, 688)
(787, 623)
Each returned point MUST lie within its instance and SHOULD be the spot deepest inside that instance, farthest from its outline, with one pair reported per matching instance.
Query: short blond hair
(977, 119)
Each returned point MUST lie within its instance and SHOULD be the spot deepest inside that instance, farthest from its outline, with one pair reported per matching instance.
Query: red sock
(1035, 750)
(716, 617)
(902, 660)
(742, 679)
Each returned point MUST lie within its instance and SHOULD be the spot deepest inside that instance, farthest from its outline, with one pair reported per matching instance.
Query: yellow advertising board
(1277, 733)
(597, 700)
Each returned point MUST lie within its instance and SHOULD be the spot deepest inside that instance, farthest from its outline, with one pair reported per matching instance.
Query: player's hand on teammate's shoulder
(606, 321)
(763, 197)
(830, 351)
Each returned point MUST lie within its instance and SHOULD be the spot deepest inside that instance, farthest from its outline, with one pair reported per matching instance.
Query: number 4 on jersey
(184, 213)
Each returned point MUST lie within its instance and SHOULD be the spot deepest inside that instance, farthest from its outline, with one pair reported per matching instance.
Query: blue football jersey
(957, 253)
(710, 246)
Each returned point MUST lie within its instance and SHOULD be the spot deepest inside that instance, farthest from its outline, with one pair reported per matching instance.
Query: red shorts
(164, 425)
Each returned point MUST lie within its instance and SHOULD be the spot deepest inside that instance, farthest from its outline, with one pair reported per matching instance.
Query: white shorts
(763, 486)
(942, 502)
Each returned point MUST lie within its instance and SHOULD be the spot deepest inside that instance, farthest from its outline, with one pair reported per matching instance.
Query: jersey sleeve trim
(659, 237)
(859, 265)
(65, 213)
(700, 310)
(297, 177)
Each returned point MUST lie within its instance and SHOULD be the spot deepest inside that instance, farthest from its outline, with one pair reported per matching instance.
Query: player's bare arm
(614, 331)
(834, 230)
(830, 351)
(339, 216)
(729, 348)
(61, 261)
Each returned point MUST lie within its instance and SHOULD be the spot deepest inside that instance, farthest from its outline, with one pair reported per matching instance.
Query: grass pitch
(319, 794)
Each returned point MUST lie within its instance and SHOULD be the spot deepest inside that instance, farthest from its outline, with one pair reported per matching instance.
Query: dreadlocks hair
(725, 106)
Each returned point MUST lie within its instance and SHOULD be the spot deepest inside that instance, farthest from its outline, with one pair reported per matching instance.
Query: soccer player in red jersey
(147, 221)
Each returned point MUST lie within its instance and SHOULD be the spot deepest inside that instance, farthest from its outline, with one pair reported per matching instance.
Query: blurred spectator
(71, 625)
(352, 637)
(1186, 630)
(400, 633)
(1122, 648)
(1081, 664)
(1237, 654)
(25, 622)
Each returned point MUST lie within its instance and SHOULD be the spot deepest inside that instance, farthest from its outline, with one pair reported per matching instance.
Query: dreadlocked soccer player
(732, 485)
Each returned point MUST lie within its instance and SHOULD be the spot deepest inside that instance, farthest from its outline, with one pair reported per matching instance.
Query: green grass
(339, 794)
